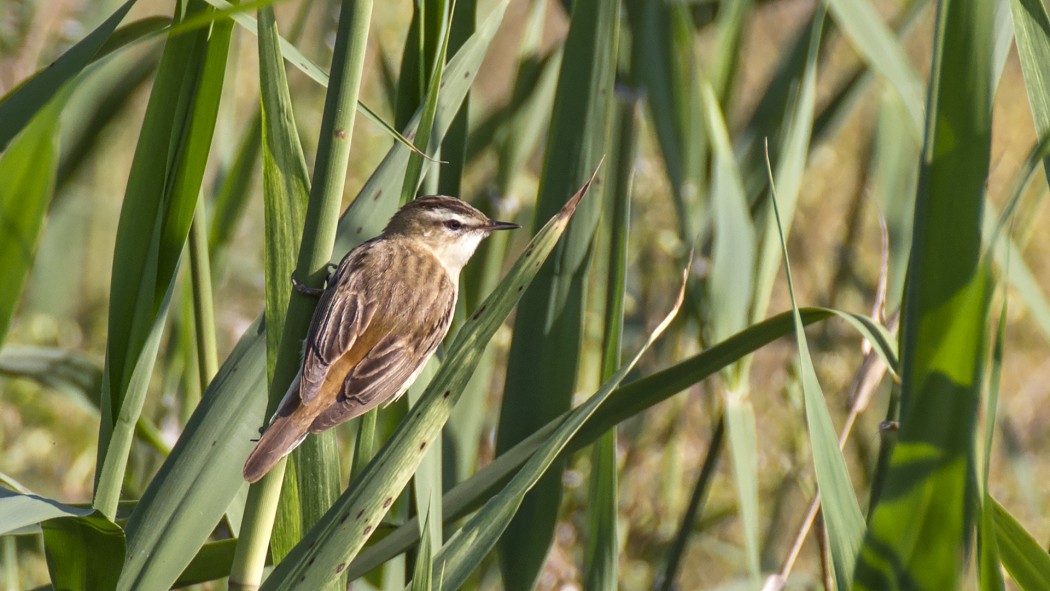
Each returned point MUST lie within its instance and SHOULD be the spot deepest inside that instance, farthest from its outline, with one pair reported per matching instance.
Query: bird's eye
(454, 225)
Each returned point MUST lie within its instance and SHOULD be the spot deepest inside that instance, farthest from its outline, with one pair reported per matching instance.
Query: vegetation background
(151, 210)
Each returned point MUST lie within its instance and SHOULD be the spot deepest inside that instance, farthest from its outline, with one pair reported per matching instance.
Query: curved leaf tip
(569, 208)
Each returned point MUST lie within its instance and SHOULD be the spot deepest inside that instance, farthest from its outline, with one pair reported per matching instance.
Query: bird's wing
(389, 367)
(341, 331)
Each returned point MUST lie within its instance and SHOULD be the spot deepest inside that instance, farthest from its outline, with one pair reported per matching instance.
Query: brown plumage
(385, 310)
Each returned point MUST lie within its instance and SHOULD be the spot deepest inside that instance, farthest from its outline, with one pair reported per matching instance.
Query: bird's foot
(305, 289)
(315, 291)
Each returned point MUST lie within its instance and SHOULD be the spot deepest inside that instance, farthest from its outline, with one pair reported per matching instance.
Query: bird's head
(449, 227)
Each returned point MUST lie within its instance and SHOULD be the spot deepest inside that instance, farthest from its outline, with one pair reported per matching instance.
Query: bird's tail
(283, 435)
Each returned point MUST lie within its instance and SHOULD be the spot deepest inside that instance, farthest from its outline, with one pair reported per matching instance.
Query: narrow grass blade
(625, 402)
(730, 23)
(234, 191)
(663, 54)
(212, 562)
(422, 574)
(665, 581)
(106, 102)
(880, 48)
(454, 148)
(729, 292)
(989, 573)
(603, 540)
(436, 67)
(468, 546)
(923, 523)
(1008, 253)
(328, 548)
(894, 172)
(377, 201)
(27, 168)
(20, 105)
(1032, 34)
(839, 507)
(286, 183)
(1024, 558)
(733, 252)
(74, 374)
(548, 328)
(791, 161)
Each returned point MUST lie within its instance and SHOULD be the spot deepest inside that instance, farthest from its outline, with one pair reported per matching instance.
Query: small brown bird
(385, 309)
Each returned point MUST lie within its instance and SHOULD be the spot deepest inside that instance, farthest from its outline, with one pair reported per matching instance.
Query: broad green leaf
(548, 328)
(18, 510)
(19, 106)
(28, 168)
(83, 552)
(919, 530)
(196, 484)
(159, 202)
(329, 547)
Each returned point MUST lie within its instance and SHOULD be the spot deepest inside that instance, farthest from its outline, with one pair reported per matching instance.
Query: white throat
(454, 255)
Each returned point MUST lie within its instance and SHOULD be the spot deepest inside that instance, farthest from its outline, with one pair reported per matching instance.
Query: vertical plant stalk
(911, 541)
(364, 449)
(203, 306)
(603, 541)
(703, 484)
(319, 231)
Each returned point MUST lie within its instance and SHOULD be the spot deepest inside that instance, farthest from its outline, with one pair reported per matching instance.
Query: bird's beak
(493, 225)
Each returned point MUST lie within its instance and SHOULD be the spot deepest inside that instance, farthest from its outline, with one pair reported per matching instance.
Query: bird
(383, 312)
